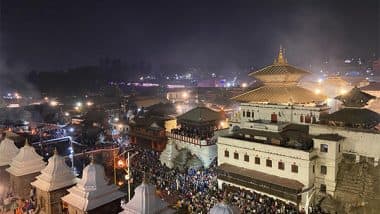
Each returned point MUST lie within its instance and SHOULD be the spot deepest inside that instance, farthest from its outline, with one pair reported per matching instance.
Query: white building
(52, 183)
(146, 201)
(92, 193)
(25, 166)
(276, 145)
(8, 151)
(197, 132)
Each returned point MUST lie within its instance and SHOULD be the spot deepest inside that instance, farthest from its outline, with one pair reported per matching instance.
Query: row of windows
(248, 114)
(268, 163)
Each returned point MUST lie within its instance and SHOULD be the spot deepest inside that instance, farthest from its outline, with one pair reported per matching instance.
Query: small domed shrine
(51, 185)
(92, 193)
(25, 166)
(8, 151)
(145, 201)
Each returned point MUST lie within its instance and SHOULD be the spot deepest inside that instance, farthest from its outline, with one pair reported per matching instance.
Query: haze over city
(217, 107)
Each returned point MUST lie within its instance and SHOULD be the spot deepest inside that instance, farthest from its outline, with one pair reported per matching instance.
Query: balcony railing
(192, 140)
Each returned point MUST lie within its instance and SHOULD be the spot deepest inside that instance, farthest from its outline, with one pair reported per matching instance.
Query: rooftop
(280, 94)
(279, 72)
(92, 190)
(26, 162)
(56, 175)
(330, 137)
(355, 98)
(8, 151)
(354, 116)
(201, 114)
(289, 138)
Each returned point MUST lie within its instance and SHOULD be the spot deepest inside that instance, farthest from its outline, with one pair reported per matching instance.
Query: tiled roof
(280, 94)
(373, 86)
(354, 116)
(279, 69)
(355, 98)
(201, 114)
(285, 182)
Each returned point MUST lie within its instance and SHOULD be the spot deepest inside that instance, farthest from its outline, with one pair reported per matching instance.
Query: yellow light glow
(76, 108)
(89, 103)
(342, 91)
(53, 103)
(185, 95)
(317, 91)
(120, 163)
(78, 104)
(244, 85)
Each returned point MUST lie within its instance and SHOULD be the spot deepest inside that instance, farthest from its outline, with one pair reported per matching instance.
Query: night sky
(58, 35)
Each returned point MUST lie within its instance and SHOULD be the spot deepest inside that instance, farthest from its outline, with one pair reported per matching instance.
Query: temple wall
(364, 143)
(284, 113)
(304, 160)
(205, 153)
(4, 181)
(21, 184)
(50, 202)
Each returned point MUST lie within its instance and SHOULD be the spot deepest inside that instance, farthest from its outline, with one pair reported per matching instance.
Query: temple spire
(281, 57)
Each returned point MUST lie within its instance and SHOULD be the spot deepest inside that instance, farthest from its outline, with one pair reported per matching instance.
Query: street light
(78, 104)
(89, 103)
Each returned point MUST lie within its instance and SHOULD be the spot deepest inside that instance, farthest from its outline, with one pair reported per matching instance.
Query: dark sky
(61, 34)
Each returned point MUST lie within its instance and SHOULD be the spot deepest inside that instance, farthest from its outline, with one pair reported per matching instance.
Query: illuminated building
(146, 201)
(25, 166)
(197, 133)
(277, 143)
(52, 184)
(92, 193)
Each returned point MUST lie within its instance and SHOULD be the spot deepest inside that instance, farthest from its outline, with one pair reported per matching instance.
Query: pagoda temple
(92, 193)
(51, 185)
(280, 85)
(25, 166)
(8, 151)
(353, 113)
(146, 201)
(279, 145)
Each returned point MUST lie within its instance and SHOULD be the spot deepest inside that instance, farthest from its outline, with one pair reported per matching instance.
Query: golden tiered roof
(279, 94)
(279, 72)
(280, 85)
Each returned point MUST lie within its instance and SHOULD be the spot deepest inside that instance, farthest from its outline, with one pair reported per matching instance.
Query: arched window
(301, 118)
(226, 154)
(273, 118)
(248, 114)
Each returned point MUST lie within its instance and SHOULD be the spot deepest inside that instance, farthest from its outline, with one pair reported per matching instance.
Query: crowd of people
(12, 204)
(197, 192)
